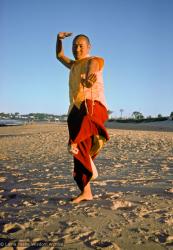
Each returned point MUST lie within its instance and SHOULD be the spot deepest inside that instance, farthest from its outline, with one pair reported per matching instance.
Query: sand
(133, 195)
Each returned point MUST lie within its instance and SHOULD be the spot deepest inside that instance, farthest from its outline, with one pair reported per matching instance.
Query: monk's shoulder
(100, 60)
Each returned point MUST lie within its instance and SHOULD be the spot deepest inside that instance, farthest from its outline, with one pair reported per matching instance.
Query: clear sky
(135, 37)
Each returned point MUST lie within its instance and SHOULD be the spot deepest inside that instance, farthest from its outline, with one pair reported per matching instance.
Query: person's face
(80, 48)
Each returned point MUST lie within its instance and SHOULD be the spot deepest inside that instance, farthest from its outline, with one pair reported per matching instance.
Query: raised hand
(62, 35)
(60, 51)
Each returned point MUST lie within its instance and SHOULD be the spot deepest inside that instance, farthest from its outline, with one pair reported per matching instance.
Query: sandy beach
(133, 195)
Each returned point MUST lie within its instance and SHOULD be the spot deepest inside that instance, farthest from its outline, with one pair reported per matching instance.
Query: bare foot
(82, 197)
(86, 195)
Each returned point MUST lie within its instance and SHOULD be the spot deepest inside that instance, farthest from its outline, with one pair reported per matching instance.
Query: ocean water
(9, 122)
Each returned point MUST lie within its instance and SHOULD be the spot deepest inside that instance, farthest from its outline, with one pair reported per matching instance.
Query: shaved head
(84, 36)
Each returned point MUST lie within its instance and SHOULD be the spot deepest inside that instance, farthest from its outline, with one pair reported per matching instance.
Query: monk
(87, 111)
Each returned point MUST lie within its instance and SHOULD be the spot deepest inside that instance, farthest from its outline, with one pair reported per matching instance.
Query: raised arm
(60, 51)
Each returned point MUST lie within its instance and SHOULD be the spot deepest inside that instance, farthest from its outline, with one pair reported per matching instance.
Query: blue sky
(135, 37)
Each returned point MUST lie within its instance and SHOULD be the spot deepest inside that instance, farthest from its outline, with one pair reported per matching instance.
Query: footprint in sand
(121, 204)
(159, 237)
(98, 244)
(90, 212)
(12, 228)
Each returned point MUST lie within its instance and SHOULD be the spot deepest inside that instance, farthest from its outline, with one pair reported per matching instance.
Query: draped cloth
(87, 130)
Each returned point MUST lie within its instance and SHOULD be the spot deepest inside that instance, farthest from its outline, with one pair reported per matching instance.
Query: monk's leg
(83, 171)
(85, 195)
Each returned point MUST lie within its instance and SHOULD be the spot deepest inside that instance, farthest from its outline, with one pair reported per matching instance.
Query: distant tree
(40, 116)
(121, 111)
(12, 116)
(2, 114)
(159, 116)
(137, 115)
